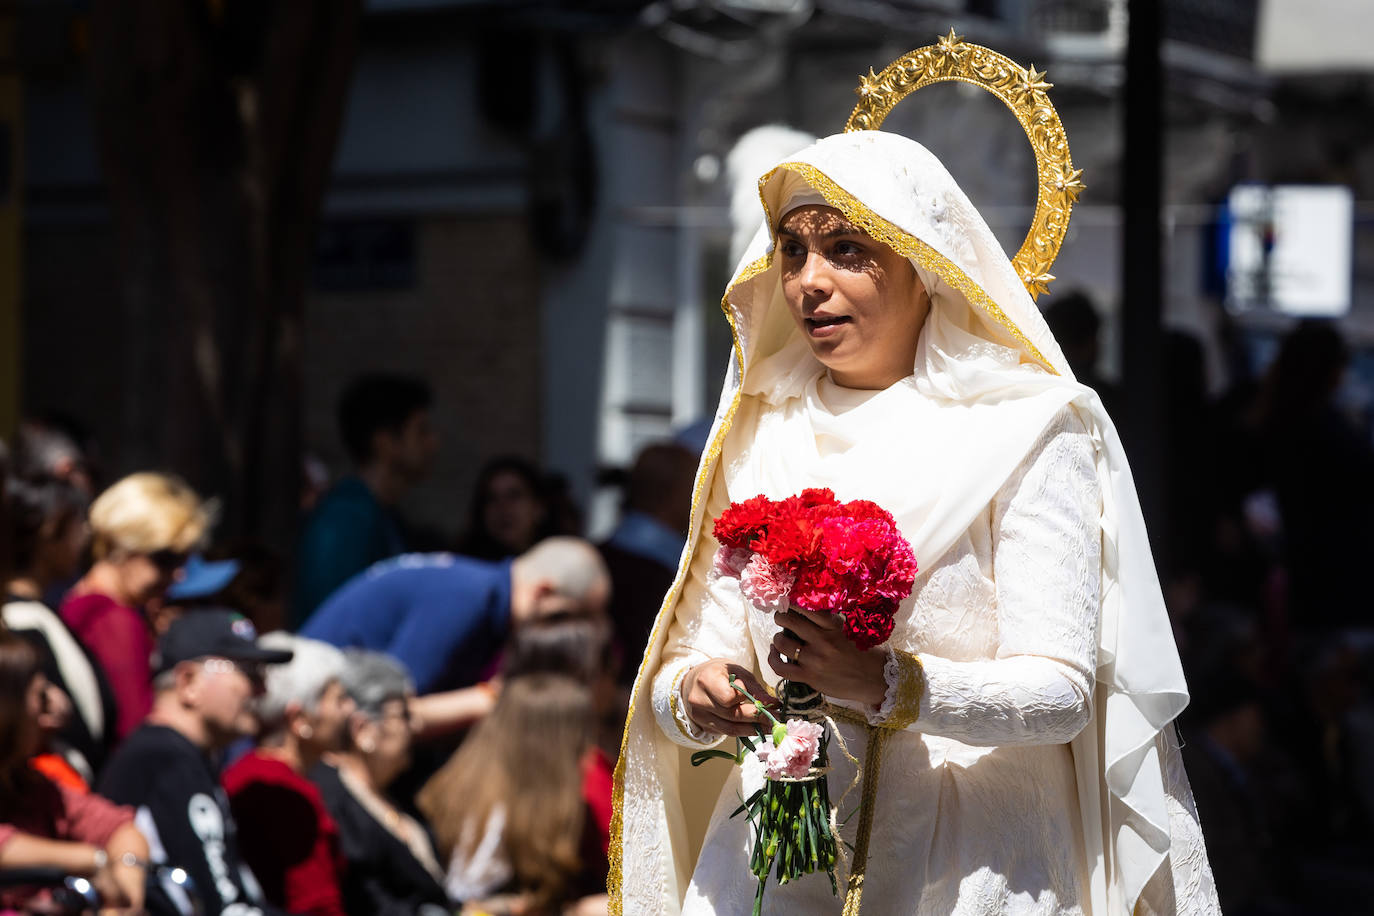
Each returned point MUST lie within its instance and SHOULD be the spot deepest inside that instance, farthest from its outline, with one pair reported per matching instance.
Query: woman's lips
(825, 325)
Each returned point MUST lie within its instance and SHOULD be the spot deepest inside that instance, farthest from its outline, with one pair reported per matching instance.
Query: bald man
(443, 615)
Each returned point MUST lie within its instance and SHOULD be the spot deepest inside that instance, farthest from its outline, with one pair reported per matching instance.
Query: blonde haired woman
(142, 529)
(887, 349)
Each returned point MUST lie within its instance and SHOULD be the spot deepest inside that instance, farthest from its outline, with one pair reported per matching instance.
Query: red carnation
(848, 557)
(870, 626)
(739, 524)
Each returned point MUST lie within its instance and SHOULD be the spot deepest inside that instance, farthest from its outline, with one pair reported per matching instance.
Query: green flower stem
(734, 683)
(790, 819)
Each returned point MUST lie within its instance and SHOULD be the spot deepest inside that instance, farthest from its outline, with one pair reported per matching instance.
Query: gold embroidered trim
(868, 806)
(905, 244)
(615, 877)
(1023, 91)
(911, 687)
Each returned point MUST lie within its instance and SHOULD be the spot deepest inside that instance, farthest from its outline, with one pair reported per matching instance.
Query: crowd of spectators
(158, 751)
(427, 733)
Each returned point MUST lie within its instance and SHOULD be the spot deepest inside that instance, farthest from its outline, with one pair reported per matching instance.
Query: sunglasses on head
(254, 671)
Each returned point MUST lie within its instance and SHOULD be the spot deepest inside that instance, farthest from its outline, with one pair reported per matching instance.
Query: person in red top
(143, 528)
(288, 837)
(52, 826)
(598, 789)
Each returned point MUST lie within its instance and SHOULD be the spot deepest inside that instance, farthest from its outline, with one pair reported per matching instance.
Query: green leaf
(701, 757)
(749, 803)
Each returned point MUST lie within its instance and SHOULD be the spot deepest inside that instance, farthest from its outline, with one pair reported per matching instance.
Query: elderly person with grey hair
(392, 866)
(287, 835)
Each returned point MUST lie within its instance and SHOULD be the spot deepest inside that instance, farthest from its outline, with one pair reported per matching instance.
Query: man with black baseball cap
(207, 670)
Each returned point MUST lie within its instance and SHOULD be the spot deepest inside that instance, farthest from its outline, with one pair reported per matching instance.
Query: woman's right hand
(715, 706)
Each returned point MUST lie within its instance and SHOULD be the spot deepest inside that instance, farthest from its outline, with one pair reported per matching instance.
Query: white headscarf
(987, 354)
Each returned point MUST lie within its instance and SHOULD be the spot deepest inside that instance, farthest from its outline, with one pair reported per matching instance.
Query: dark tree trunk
(217, 125)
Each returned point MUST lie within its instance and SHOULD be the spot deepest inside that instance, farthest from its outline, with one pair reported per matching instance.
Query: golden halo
(952, 59)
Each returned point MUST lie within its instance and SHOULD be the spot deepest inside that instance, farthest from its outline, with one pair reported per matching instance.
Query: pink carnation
(730, 561)
(794, 756)
(765, 585)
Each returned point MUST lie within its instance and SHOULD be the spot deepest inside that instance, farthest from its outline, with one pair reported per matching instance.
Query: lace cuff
(906, 684)
(671, 712)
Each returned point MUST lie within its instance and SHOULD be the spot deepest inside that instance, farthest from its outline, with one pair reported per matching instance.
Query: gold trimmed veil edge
(705, 469)
(900, 241)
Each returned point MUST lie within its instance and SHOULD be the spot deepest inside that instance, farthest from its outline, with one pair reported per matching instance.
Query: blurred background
(216, 214)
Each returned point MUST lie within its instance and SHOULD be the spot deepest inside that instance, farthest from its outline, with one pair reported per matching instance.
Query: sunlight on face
(857, 302)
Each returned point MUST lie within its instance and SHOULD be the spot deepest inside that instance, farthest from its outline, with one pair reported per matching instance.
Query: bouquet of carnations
(809, 551)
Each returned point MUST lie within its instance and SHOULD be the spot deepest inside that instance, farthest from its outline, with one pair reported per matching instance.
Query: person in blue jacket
(443, 615)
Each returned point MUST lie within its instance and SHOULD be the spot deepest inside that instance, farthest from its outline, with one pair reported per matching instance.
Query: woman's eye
(792, 249)
(848, 249)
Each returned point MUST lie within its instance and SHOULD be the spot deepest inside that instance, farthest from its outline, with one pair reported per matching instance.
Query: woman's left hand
(823, 657)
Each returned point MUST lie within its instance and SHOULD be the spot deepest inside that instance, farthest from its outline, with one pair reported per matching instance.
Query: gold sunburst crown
(1025, 92)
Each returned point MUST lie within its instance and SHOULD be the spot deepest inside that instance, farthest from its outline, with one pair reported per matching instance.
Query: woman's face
(390, 737)
(145, 576)
(857, 302)
(512, 511)
(331, 717)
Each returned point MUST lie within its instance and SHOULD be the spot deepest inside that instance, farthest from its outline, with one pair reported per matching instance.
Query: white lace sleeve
(670, 710)
(708, 622)
(1046, 561)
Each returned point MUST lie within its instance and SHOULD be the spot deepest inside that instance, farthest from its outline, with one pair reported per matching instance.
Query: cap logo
(243, 628)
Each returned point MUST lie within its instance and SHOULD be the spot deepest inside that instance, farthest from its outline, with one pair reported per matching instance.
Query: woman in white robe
(886, 349)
